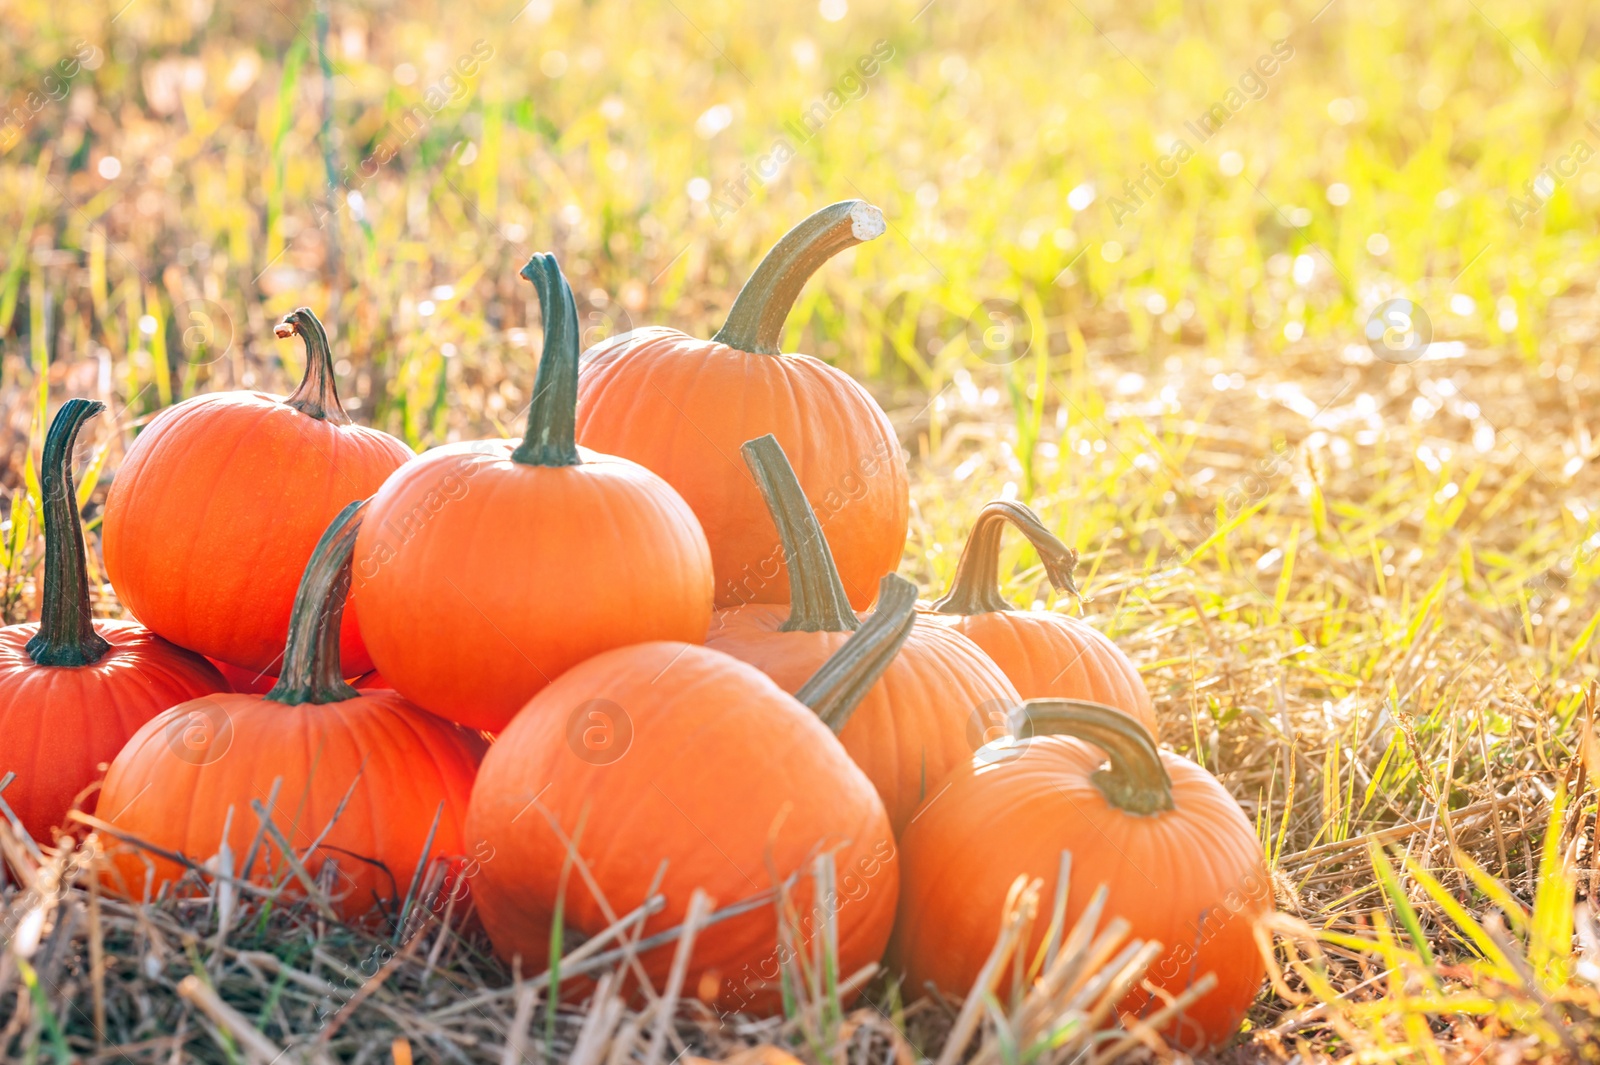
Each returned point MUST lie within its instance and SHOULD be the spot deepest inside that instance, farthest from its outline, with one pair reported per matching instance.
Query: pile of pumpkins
(615, 658)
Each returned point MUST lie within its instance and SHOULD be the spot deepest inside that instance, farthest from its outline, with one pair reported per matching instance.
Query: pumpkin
(682, 407)
(488, 569)
(364, 779)
(1047, 655)
(73, 689)
(1179, 861)
(220, 500)
(676, 760)
(932, 705)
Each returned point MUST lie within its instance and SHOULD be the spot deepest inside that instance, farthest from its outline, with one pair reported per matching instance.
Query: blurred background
(1283, 314)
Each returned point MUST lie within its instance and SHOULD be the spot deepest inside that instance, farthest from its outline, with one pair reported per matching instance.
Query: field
(1299, 362)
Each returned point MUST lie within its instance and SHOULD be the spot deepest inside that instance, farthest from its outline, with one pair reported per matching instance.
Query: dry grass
(1362, 592)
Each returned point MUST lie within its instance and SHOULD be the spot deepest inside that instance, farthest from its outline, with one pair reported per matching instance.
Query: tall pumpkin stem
(837, 688)
(66, 635)
(755, 323)
(1136, 781)
(552, 418)
(817, 600)
(318, 394)
(311, 670)
(976, 588)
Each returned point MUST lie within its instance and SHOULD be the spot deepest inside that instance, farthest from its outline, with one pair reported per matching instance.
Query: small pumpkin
(488, 569)
(682, 407)
(710, 776)
(1181, 863)
(1047, 655)
(221, 499)
(72, 688)
(934, 701)
(356, 777)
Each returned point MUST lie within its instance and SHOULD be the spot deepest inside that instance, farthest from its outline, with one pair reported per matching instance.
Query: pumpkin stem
(1136, 781)
(817, 601)
(838, 686)
(318, 394)
(552, 417)
(66, 635)
(755, 323)
(311, 670)
(976, 588)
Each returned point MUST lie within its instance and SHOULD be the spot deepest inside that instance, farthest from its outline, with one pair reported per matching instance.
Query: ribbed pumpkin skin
(480, 580)
(59, 724)
(412, 762)
(215, 511)
(922, 719)
(726, 775)
(1054, 656)
(682, 407)
(1192, 877)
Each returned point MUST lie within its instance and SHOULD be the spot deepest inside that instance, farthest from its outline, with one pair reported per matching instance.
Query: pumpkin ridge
(356, 725)
(698, 379)
(201, 520)
(433, 558)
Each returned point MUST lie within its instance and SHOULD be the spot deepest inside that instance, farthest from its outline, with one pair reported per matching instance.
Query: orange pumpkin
(220, 501)
(682, 407)
(488, 569)
(675, 760)
(1179, 860)
(1047, 655)
(935, 700)
(364, 779)
(73, 689)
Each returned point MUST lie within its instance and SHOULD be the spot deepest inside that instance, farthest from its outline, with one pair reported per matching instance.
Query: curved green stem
(311, 670)
(66, 635)
(755, 323)
(552, 417)
(1136, 781)
(817, 601)
(318, 394)
(976, 587)
(838, 687)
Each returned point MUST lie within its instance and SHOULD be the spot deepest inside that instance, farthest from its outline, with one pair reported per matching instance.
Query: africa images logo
(1253, 84)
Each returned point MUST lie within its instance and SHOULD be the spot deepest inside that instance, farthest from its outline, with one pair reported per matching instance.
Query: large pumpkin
(364, 779)
(1179, 860)
(488, 569)
(682, 407)
(674, 760)
(220, 500)
(1047, 655)
(934, 702)
(73, 689)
